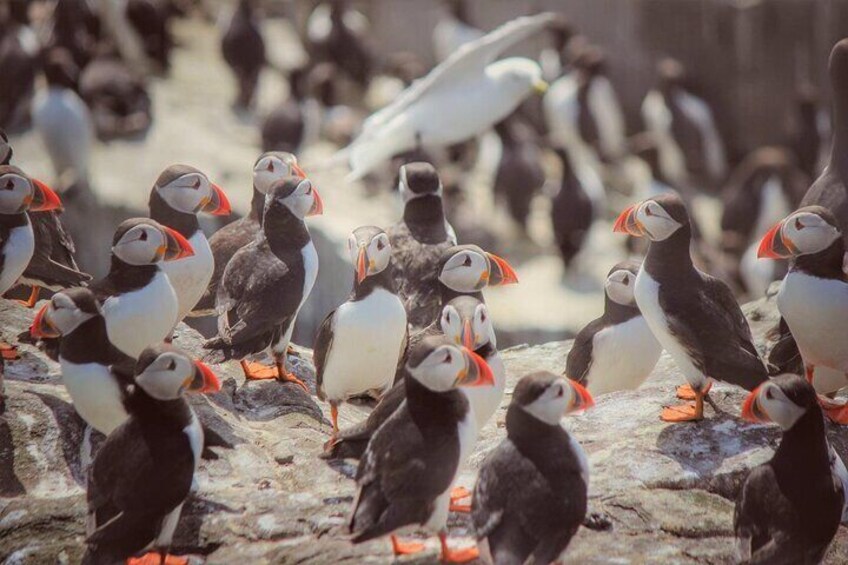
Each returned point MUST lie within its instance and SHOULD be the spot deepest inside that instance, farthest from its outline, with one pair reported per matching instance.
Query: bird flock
(415, 336)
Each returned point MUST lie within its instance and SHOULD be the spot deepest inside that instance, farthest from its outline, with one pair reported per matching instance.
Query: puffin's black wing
(53, 261)
(131, 487)
(784, 356)
(323, 343)
(715, 332)
(399, 478)
(224, 244)
(352, 442)
(579, 359)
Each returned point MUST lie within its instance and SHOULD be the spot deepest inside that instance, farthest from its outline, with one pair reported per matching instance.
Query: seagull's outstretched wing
(470, 59)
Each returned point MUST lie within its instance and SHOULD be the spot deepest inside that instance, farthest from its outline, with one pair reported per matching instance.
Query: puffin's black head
(620, 282)
(465, 320)
(273, 166)
(656, 218)
(64, 312)
(670, 73)
(165, 372)
(807, 231)
(370, 251)
(440, 365)
(297, 195)
(142, 241)
(419, 179)
(459, 10)
(591, 60)
(20, 193)
(467, 268)
(782, 400)
(60, 69)
(646, 147)
(548, 397)
(561, 32)
(838, 69)
(5, 148)
(187, 190)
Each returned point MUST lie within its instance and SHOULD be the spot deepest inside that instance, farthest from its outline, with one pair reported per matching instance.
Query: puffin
(19, 62)
(178, 195)
(467, 270)
(337, 33)
(285, 127)
(20, 194)
(813, 297)
(269, 167)
(618, 350)
(418, 239)
(406, 474)
(143, 473)
(244, 50)
(572, 211)
(138, 301)
(531, 493)
(149, 19)
(693, 316)
(691, 144)
(789, 508)
(267, 281)
(810, 130)
(359, 344)
(520, 175)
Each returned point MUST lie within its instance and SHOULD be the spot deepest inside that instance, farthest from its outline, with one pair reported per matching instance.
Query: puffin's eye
(270, 167)
(626, 280)
(196, 184)
(798, 225)
(172, 365)
(447, 317)
(560, 392)
(308, 190)
(769, 394)
(380, 245)
(483, 317)
(467, 262)
(448, 357)
(143, 236)
(10, 184)
(648, 211)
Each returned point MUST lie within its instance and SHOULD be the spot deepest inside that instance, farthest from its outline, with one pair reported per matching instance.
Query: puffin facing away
(618, 350)
(693, 315)
(267, 281)
(572, 211)
(142, 475)
(244, 50)
(138, 301)
(178, 195)
(789, 508)
(531, 494)
(270, 167)
(406, 473)
(359, 343)
(813, 297)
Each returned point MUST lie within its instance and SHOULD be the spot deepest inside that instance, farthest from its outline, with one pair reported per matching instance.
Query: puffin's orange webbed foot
(155, 558)
(287, 377)
(463, 555)
(9, 352)
(406, 547)
(681, 413)
(685, 392)
(33, 297)
(458, 494)
(258, 372)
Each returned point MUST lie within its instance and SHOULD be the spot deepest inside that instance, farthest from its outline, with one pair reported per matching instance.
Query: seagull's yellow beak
(540, 87)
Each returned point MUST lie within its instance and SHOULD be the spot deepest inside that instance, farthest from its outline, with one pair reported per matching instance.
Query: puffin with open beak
(179, 194)
(143, 473)
(790, 508)
(406, 474)
(538, 461)
(813, 297)
(138, 301)
(360, 342)
(694, 316)
(20, 194)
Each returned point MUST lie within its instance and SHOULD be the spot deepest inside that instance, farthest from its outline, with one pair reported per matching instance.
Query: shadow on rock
(71, 430)
(10, 486)
(267, 400)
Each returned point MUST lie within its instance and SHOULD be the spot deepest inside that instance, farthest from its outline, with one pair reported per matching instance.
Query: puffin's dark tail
(219, 351)
(784, 356)
(345, 448)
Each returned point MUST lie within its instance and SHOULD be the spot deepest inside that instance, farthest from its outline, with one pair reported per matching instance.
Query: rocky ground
(667, 490)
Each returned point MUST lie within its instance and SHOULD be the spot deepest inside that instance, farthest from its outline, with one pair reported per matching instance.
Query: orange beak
(751, 410)
(774, 245)
(501, 273)
(219, 204)
(41, 327)
(205, 380)
(468, 335)
(582, 399)
(45, 198)
(298, 171)
(361, 266)
(627, 223)
(477, 372)
(177, 247)
(318, 205)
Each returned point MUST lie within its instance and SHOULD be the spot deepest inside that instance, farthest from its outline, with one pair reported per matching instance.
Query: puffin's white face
(769, 403)
(16, 193)
(60, 314)
(369, 257)
(168, 376)
(466, 271)
(304, 200)
(450, 366)
(806, 233)
(141, 245)
(187, 193)
(619, 287)
(563, 396)
(472, 333)
(655, 221)
(271, 168)
(517, 76)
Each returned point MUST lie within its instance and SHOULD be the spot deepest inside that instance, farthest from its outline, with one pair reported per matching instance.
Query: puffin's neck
(383, 279)
(284, 231)
(434, 411)
(839, 151)
(425, 218)
(541, 443)
(163, 213)
(805, 444)
(158, 416)
(257, 206)
(616, 313)
(449, 294)
(11, 221)
(825, 264)
(126, 277)
(88, 343)
(671, 256)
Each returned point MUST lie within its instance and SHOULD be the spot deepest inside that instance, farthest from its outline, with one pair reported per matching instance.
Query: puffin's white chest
(310, 269)
(816, 311)
(194, 431)
(190, 276)
(623, 356)
(17, 252)
(648, 298)
(96, 395)
(135, 320)
(577, 449)
(367, 337)
(485, 400)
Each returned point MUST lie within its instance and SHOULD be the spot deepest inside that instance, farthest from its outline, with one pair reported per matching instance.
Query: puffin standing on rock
(360, 342)
(693, 315)
(531, 494)
(139, 304)
(266, 283)
(790, 508)
(270, 167)
(618, 350)
(406, 473)
(142, 475)
(179, 194)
